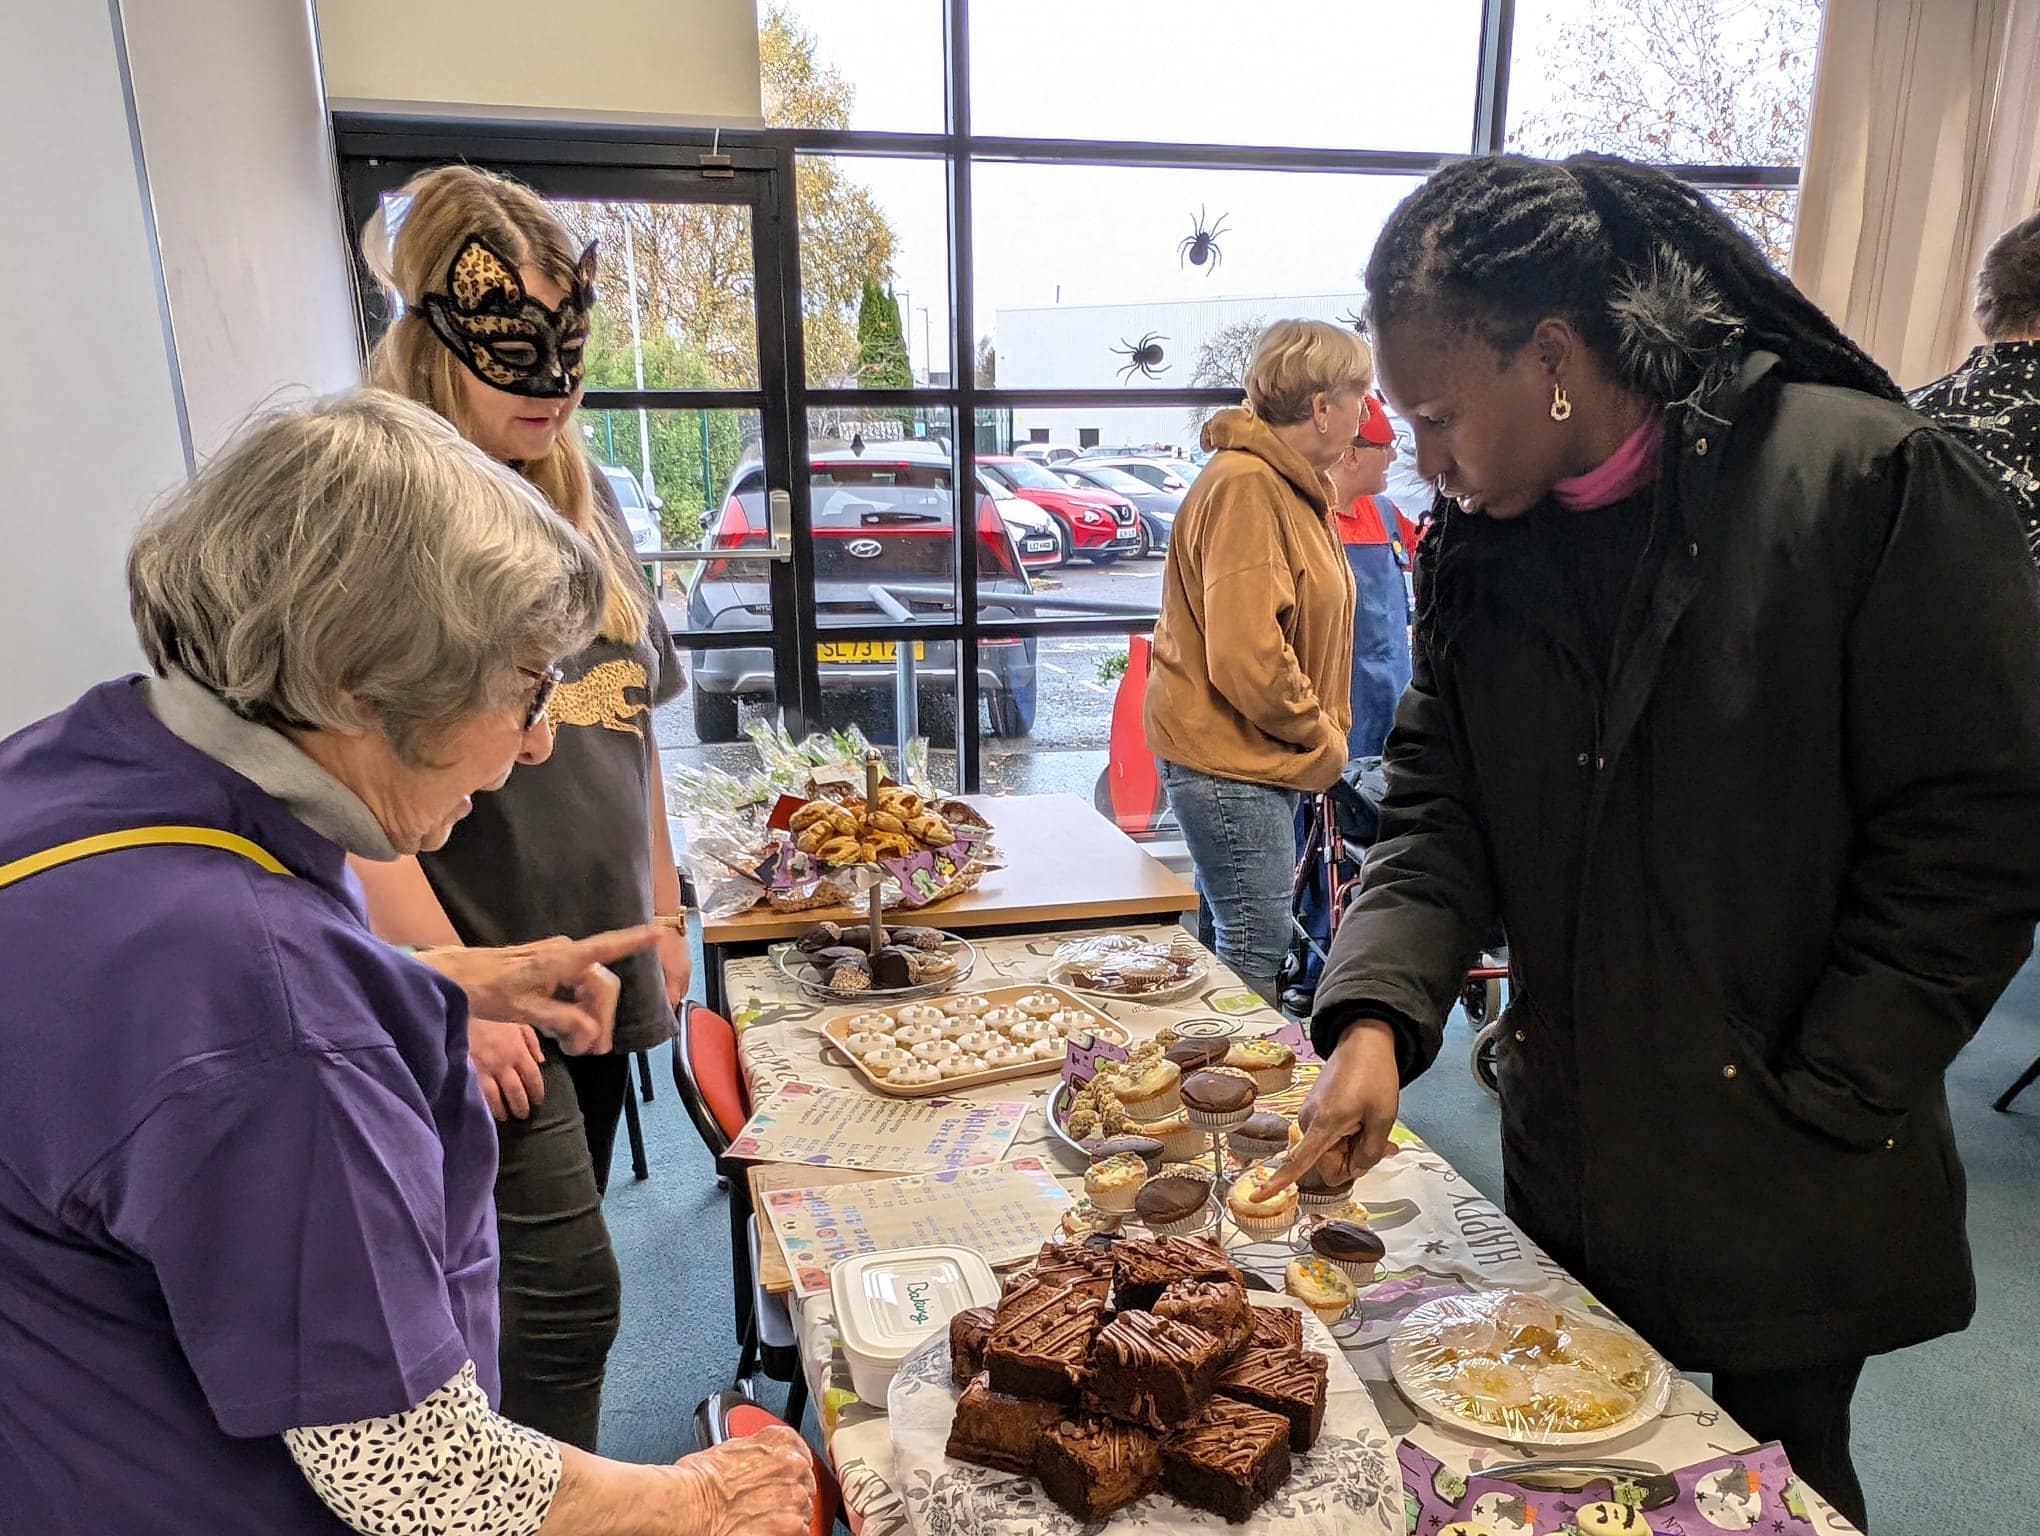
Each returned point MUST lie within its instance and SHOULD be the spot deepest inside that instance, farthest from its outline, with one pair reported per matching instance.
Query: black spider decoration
(1357, 321)
(1201, 244)
(1144, 356)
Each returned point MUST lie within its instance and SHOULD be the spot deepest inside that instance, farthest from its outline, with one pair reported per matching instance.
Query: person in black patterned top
(1992, 402)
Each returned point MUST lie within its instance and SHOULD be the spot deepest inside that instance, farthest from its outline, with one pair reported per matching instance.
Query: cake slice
(1219, 1307)
(969, 1332)
(1074, 1264)
(997, 1430)
(1228, 1460)
(1285, 1382)
(1143, 1269)
(1092, 1466)
(1149, 1371)
(1275, 1328)
(1041, 1339)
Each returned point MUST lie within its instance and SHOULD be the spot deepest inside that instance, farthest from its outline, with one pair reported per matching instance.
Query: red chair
(731, 1415)
(711, 1085)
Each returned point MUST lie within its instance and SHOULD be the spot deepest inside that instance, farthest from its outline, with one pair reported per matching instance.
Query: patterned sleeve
(452, 1466)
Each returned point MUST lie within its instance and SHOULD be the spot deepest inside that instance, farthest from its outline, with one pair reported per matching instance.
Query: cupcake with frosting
(1320, 1286)
(1039, 1005)
(918, 1014)
(915, 1074)
(961, 1065)
(1270, 1063)
(1260, 1220)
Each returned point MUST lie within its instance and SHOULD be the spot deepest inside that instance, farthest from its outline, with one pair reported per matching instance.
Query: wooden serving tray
(837, 1030)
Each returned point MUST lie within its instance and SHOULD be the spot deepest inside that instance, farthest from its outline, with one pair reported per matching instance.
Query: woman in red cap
(1378, 540)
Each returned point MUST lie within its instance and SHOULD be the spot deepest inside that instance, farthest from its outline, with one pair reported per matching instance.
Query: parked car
(1035, 534)
(640, 512)
(883, 517)
(1159, 470)
(1047, 453)
(1097, 525)
(1157, 507)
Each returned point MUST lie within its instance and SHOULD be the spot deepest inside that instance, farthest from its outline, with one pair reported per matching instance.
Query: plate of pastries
(1512, 1366)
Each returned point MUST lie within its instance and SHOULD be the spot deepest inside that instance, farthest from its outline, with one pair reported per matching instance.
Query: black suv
(882, 517)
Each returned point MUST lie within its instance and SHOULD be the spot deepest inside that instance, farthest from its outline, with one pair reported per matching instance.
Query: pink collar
(1625, 471)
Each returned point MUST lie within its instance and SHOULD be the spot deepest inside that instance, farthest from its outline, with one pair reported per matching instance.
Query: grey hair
(2008, 287)
(1297, 360)
(358, 564)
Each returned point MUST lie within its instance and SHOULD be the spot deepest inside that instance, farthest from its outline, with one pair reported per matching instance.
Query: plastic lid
(886, 1303)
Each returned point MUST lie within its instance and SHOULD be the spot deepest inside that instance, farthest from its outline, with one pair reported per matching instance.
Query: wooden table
(1066, 866)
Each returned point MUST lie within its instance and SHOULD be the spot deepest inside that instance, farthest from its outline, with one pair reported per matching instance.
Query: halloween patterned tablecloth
(1444, 1238)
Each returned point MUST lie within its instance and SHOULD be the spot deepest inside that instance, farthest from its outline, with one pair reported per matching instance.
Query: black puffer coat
(1758, 892)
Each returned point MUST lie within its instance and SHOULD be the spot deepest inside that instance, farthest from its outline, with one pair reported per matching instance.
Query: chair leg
(796, 1398)
(644, 1072)
(740, 1265)
(747, 1356)
(2004, 1100)
(640, 1169)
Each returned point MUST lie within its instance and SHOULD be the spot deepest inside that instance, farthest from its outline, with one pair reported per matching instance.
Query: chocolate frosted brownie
(1219, 1307)
(969, 1332)
(1093, 1466)
(1041, 1340)
(1229, 1459)
(1074, 1264)
(1291, 1384)
(1149, 1371)
(997, 1430)
(1143, 1270)
(1276, 1328)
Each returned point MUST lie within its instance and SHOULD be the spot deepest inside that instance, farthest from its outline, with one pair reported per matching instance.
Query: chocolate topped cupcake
(1317, 1189)
(1217, 1100)
(1260, 1135)
(1175, 1206)
(1356, 1251)
(1196, 1055)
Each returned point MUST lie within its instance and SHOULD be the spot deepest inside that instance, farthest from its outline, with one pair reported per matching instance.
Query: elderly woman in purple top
(247, 1248)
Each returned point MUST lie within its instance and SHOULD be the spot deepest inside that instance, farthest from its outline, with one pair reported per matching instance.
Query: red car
(1095, 524)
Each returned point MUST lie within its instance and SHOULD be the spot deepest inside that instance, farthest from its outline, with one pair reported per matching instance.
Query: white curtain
(1924, 146)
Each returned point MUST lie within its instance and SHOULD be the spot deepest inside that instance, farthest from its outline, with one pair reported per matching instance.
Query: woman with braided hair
(1723, 703)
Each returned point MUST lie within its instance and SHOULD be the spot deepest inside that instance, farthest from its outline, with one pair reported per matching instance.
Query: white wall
(247, 203)
(168, 166)
(646, 61)
(91, 425)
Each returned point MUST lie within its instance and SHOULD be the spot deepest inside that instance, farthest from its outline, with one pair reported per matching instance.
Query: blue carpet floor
(1945, 1434)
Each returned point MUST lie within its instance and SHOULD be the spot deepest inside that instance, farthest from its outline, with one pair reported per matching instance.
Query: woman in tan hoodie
(1247, 701)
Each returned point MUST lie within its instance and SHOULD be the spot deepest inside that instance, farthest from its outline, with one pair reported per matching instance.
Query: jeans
(560, 1292)
(1242, 841)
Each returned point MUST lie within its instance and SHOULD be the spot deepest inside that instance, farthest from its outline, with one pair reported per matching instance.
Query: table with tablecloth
(1443, 1236)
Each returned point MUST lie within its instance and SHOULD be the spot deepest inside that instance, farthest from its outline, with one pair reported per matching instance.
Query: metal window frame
(635, 161)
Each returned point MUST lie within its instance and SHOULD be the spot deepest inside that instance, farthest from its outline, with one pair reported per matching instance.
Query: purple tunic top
(245, 1171)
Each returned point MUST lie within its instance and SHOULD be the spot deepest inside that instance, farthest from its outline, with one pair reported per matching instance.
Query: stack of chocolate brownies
(1111, 1371)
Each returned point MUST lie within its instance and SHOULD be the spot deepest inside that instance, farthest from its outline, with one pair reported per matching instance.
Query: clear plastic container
(887, 1303)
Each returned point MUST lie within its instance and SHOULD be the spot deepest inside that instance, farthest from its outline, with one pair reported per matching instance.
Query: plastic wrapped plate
(1511, 1366)
(1118, 965)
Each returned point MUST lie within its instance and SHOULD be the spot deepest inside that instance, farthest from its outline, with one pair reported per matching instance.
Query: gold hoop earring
(1561, 403)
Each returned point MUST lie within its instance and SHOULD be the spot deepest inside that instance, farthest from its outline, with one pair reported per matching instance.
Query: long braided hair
(1652, 275)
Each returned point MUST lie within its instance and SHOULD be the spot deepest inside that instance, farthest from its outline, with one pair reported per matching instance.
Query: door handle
(778, 546)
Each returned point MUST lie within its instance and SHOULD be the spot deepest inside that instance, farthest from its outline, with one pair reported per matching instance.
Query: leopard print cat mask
(502, 335)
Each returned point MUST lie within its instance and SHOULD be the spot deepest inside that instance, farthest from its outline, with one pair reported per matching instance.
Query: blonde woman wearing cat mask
(495, 307)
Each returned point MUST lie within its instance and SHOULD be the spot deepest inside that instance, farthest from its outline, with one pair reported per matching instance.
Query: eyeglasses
(541, 696)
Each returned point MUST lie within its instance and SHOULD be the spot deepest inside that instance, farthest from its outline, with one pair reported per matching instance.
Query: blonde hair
(357, 563)
(445, 206)
(1297, 360)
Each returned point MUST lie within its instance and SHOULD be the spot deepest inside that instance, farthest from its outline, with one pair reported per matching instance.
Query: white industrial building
(1070, 346)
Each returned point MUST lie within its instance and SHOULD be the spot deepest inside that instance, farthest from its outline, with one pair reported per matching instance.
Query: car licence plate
(850, 652)
(1039, 546)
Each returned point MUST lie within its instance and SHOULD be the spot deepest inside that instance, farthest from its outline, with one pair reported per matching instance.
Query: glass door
(685, 413)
